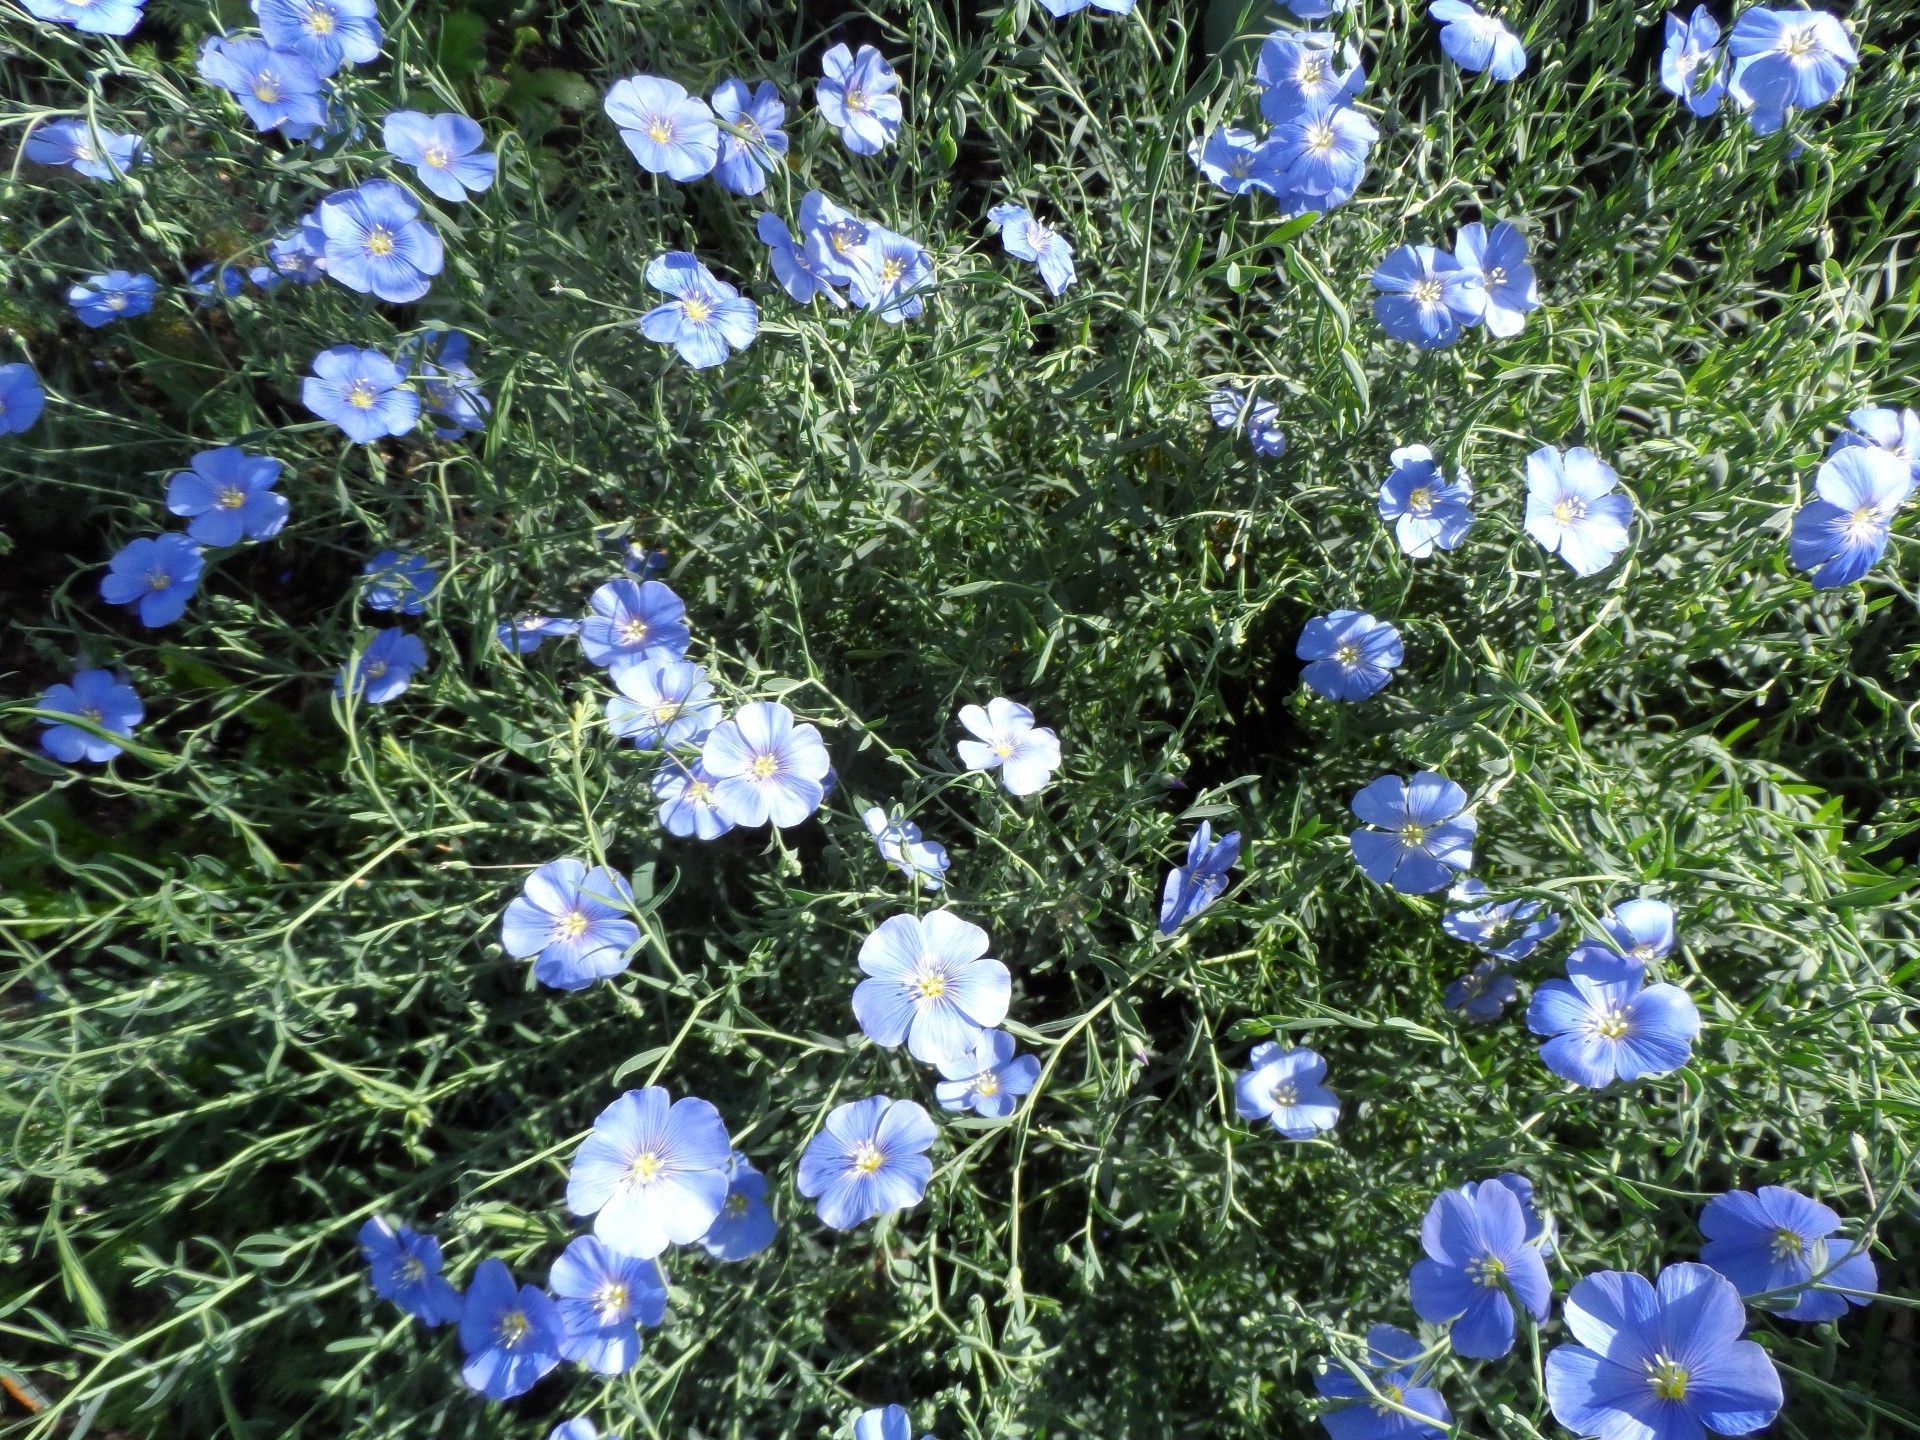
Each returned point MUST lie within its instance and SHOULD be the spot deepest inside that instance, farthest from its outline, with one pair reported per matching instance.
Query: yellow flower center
(1426, 292)
(360, 395)
(611, 1301)
(1787, 1245)
(266, 86)
(1488, 1271)
(571, 926)
(158, 580)
(1413, 834)
(928, 984)
(1392, 1394)
(765, 767)
(437, 156)
(380, 241)
(736, 1205)
(665, 714)
(319, 22)
(231, 498)
(1569, 510)
(633, 632)
(1312, 67)
(867, 1157)
(660, 130)
(1348, 654)
(698, 791)
(891, 269)
(646, 1167)
(1285, 1093)
(697, 308)
(1863, 522)
(1003, 749)
(513, 1328)
(1799, 42)
(843, 239)
(91, 715)
(1613, 1025)
(987, 1084)
(1420, 500)
(1668, 1378)
(1320, 136)
(856, 100)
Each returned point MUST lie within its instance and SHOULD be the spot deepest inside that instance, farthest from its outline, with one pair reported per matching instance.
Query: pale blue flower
(870, 1157)
(1572, 510)
(706, 320)
(1025, 238)
(855, 95)
(653, 1173)
(900, 845)
(1428, 511)
(670, 132)
(930, 983)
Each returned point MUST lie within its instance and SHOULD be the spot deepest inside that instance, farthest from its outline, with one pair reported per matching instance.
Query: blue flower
(855, 94)
(446, 151)
(156, 576)
(1316, 9)
(278, 89)
(1322, 155)
(1789, 59)
(1429, 511)
(116, 295)
(662, 704)
(1300, 74)
(578, 1428)
(931, 983)
(707, 320)
(988, 1079)
(670, 132)
(299, 256)
(1236, 161)
(399, 581)
(21, 399)
(1505, 290)
(361, 391)
(765, 767)
(1482, 993)
(97, 697)
(1572, 511)
(1025, 238)
(1488, 925)
(1895, 431)
(629, 621)
(524, 635)
(1283, 1088)
(1662, 1360)
(1393, 1358)
(215, 281)
(404, 1267)
(1425, 296)
(604, 1300)
(1640, 929)
(1007, 740)
(385, 669)
(377, 243)
(835, 240)
(511, 1335)
(652, 1174)
(575, 921)
(686, 793)
(751, 140)
(1606, 1023)
(97, 154)
(1059, 9)
(793, 266)
(1775, 1244)
(1192, 887)
(453, 394)
(898, 840)
(230, 496)
(746, 1226)
(1693, 66)
(1841, 535)
(95, 17)
(1478, 42)
(1352, 654)
(895, 276)
(1422, 838)
(1228, 404)
(870, 1157)
(327, 33)
(1479, 1263)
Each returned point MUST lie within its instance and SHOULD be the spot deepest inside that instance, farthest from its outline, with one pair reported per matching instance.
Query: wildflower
(1007, 739)
(213, 282)
(524, 635)
(895, 273)
(1425, 296)
(1315, 9)
(578, 1428)
(1025, 238)
(855, 94)
(299, 256)
(604, 1300)
(1895, 431)
(155, 576)
(898, 840)
(1478, 42)
(1393, 1358)
(765, 766)
(1506, 290)
(404, 1267)
(97, 154)
(1606, 1023)
(1192, 887)
(686, 793)
(707, 319)
(1661, 1359)
(377, 243)
(230, 496)
(651, 1174)
(278, 89)
(326, 33)
(1840, 535)
(629, 621)
(746, 1226)
(1488, 925)
(989, 1078)
(670, 132)
(95, 17)
(1227, 405)
(662, 704)
(116, 295)
(399, 582)
(98, 698)
(1482, 993)
(361, 391)
(1236, 162)
(835, 239)
(1422, 837)
(930, 983)
(21, 399)
(1300, 74)
(1790, 59)
(1640, 929)
(1283, 1087)
(512, 1336)
(1323, 154)
(1352, 655)
(1693, 66)
(1572, 511)
(891, 1422)
(1479, 1263)
(869, 1158)
(1429, 511)
(1060, 9)
(1776, 1241)
(575, 921)
(446, 151)
(751, 140)
(385, 669)
(793, 266)
(453, 394)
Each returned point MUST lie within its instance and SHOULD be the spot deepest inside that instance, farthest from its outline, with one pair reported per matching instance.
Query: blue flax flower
(1640, 929)
(156, 576)
(1236, 161)
(399, 581)
(95, 17)
(1228, 404)
(1572, 509)
(931, 983)
(453, 396)
(511, 1334)
(1605, 1023)
(1482, 993)
(361, 391)
(1425, 296)
(1428, 511)
(448, 152)
(1421, 839)
(578, 1428)
(99, 698)
(1480, 1261)
(630, 621)
(1895, 431)
(855, 95)
(1840, 535)
(662, 703)
(1006, 739)
(1507, 930)
(1395, 1375)
(575, 922)
(794, 267)
(327, 33)
(99, 155)
(836, 240)
(686, 793)
(652, 1174)
(989, 1079)
(1322, 155)
(604, 1300)
(1025, 238)
(215, 281)
(746, 1226)
(116, 295)
(898, 840)
(1478, 42)
(751, 140)
(1316, 9)
(765, 767)
(869, 1157)
(385, 669)
(1352, 655)
(1663, 1360)
(21, 399)
(1775, 1243)
(230, 496)
(1789, 59)
(1060, 9)
(377, 243)
(895, 274)
(1301, 73)
(670, 132)
(706, 320)
(299, 256)
(278, 89)
(1506, 291)
(1192, 887)
(524, 635)
(1283, 1088)
(404, 1267)
(1693, 67)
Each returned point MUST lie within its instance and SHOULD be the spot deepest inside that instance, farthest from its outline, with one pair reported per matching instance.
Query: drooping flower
(156, 576)
(1507, 930)
(869, 1157)
(1428, 511)
(630, 622)
(1306, 72)
(1283, 1088)
(1422, 837)
(989, 1079)
(605, 1299)
(1425, 295)
(652, 1174)
(1606, 1023)
(95, 17)
(1640, 929)
(327, 33)
(1479, 1264)
(1506, 291)
(230, 496)
(1397, 1374)
(453, 395)
(793, 265)
(1842, 533)
(751, 140)
(524, 635)
(898, 840)
(1572, 510)
(707, 319)
(1351, 654)
(661, 704)
(21, 398)
(279, 89)
(930, 983)
(377, 243)
(398, 581)
(1192, 887)
(1322, 155)
(1228, 404)
(361, 391)
(1478, 42)
(84, 149)
(97, 697)
(1007, 740)
(1661, 1360)
(765, 767)
(855, 96)
(575, 922)
(1236, 161)
(512, 1335)
(1790, 59)
(685, 792)
(670, 132)
(116, 295)
(1025, 238)
(1693, 67)
(1482, 993)
(1895, 431)
(385, 669)
(746, 1226)
(446, 151)
(299, 256)
(895, 276)
(404, 1266)
(1775, 1243)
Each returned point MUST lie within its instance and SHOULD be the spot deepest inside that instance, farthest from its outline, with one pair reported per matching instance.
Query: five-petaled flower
(869, 1157)
(1506, 291)
(155, 576)
(686, 792)
(361, 391)
(1397, 1375)
(634, 622)
(662, 703)
(1007, 740)
(1787, 60)
(1428, 510)
(1230, 406)
(1483, 1256)
(116, 295)
(765, 767)
(930, 983)
(1477, 42)
(1693, 67)
(652, 1173)
(99, 698)
(22, 398)
(746, 1226)
(1640, 929)
(988, 1079)
(900, 844)
(85, 149)
(403, 1266)
(1421, 839)
(706, 320)
(604, 1300)
(1350, 655)
(751, 140)
(1840, 534)
(398, 581)
(377, 244)
(447, 152)
(1507, 930)
(1025, 238)
(1775, 1243)
(1425, 296)
(512, 1335)
(385, 669)
(1605, 1023)
(1283, 1088)
(1192, 887)
(230, 496)
(670, 132)
(1572, 509)
(279, 89)
(855, 95)
(576, 923)
(326, 33)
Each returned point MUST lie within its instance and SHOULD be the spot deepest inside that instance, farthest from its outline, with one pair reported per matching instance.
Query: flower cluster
(1773, 62)
(1427, 296)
